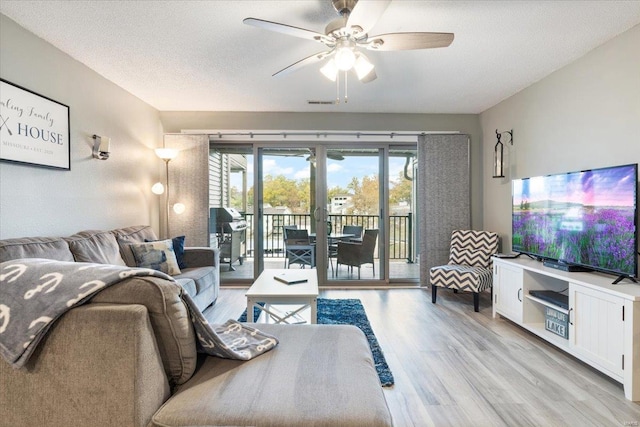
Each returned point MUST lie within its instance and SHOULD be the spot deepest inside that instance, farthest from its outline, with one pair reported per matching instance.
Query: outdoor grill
(229, 228)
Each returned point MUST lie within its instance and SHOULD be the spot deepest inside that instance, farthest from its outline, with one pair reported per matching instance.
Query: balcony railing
(400, 232)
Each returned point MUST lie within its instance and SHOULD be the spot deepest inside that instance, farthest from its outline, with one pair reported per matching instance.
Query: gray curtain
(189, 185)
(444, 196)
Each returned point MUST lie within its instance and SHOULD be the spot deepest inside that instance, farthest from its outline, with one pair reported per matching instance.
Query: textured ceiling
(199, 56)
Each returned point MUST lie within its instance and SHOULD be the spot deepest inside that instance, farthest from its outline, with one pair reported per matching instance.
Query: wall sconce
(101, 146)
(498, 154)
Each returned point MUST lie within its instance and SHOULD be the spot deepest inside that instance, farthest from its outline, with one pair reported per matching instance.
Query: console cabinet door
(596, 328)
(509, 292)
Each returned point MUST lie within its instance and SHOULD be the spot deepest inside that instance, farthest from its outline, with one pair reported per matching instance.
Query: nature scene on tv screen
(585, 218)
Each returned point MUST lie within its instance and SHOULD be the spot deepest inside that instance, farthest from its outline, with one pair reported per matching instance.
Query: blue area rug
(348, 312)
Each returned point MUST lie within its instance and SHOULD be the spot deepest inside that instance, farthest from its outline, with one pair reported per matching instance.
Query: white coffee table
(268, 290)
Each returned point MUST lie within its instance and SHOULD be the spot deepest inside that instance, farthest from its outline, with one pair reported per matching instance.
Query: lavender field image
(586, 218)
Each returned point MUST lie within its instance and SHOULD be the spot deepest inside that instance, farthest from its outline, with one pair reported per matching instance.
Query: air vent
(316, 102)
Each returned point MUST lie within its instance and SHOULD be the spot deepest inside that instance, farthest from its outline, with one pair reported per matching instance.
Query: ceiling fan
(346, 36)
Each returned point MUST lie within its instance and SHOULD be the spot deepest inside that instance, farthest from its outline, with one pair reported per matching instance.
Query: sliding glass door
(356, 205)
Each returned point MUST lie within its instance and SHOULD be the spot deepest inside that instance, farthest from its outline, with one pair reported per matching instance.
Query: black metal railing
(400, 231)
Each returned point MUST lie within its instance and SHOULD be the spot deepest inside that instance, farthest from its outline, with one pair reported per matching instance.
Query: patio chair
(469, 268)
(286, 228)
(356, 254)
(298, 248)
(356, 230)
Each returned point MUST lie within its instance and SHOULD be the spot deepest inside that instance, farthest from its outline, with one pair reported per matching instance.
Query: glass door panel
(353, 212)
(402, 235)
(286, 199)
(230, 193)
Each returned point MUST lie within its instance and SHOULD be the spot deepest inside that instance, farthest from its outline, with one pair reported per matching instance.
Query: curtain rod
(308, 135)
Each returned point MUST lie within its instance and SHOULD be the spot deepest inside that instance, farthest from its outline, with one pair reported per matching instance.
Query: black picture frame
(34, 129)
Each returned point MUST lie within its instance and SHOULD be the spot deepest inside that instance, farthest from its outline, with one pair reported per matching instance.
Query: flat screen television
(586, 219)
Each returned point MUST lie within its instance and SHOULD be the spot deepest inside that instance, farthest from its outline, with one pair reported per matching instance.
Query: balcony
(400, 234)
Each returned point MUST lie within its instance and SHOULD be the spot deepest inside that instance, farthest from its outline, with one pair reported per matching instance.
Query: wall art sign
(33, 129)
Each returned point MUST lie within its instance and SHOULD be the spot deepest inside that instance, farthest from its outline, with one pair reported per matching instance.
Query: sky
(339, 172)
(597, 187)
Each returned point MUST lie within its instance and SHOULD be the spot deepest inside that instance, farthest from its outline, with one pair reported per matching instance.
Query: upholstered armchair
(298, 248)
(356, 254)
(469, 268)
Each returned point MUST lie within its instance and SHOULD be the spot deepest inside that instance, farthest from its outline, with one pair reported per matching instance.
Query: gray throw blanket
(35, 292)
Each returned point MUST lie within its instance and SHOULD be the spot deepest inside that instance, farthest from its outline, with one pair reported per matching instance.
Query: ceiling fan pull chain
(346, 88)
(337, 88)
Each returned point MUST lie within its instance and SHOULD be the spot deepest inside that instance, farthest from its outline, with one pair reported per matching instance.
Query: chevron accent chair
(469, 268)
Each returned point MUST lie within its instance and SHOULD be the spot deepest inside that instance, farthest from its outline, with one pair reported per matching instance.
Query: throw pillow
(135, 234)
(95, 246)
(178, 248)
(157, 255)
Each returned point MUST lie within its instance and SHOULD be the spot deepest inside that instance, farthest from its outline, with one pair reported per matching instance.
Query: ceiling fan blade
(316, 57)
(366, 13)
(409, 41)
(287, 29)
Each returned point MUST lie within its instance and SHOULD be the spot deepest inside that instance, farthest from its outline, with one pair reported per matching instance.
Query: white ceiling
(199, 56)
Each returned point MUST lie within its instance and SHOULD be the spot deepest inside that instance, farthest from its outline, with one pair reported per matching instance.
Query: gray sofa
(200, 278)
(128, 357)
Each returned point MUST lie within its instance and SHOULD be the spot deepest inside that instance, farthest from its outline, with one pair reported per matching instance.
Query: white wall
(585, 115)
(94, 194)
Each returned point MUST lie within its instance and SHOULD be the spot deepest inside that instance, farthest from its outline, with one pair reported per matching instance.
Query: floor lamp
(166, 154)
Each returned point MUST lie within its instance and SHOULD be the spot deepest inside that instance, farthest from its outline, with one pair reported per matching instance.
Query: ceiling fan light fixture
(330, 70)
(362, 66)
(345, 56)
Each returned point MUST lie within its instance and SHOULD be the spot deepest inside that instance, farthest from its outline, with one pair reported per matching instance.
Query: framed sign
(33, 129)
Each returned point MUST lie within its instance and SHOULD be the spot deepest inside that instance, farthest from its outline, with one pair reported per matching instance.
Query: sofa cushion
(133, 234)
(136, 233)
(95, 246)
(35, 247)
(201, 284)
(189, 286)
(158, 255)
(298, 383)
(169, 318)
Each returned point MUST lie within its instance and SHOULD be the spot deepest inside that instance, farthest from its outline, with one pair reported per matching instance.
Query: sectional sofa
(129, 356)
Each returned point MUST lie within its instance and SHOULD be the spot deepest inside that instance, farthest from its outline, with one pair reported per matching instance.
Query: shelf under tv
(603, 320)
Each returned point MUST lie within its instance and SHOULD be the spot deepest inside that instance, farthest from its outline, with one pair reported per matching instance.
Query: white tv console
(604, 319)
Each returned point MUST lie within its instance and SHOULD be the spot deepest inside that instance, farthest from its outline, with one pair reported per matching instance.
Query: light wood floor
(454, 367)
